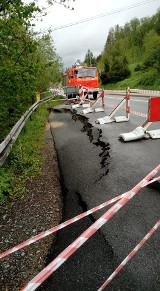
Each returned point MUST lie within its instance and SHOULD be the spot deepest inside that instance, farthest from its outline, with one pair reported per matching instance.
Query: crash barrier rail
(64, 255)
(141, 131)
(7, 144)
(110, 118)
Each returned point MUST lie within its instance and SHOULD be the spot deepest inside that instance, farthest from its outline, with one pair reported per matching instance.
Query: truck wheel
(95, 95)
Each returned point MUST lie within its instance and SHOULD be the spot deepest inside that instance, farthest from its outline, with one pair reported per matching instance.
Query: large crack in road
(94, 261)
(89, 266)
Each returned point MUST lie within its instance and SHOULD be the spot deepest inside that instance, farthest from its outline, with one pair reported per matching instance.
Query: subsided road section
(95, 166)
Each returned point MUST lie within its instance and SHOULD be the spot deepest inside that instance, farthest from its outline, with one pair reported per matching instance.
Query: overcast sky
(73, 42)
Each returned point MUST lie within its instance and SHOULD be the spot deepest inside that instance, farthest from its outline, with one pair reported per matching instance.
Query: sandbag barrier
(141, 131)
(85, 101)
(111, 118)
(92, 108)
(57, 262)
(83, 98)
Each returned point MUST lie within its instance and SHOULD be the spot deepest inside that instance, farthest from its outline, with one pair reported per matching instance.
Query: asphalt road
(96, 166)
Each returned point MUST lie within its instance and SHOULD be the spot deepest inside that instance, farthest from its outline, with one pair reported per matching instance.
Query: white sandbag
(154, 133)
(99, 110)
(121, 118)
(137, 133)
(104, 120)
(87, 110)
(75, 106)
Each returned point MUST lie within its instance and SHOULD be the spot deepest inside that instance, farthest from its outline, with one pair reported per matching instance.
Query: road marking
(136, 100)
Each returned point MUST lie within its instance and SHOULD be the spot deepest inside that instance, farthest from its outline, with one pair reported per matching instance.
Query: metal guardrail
(6, 145)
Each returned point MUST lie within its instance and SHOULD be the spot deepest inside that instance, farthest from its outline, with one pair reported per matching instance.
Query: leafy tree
(118, 71)
(134, 45)
(28, 63)
(152, 51)
(89, 58)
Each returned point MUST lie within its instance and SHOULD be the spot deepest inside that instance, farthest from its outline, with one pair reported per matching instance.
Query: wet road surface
(95, 166)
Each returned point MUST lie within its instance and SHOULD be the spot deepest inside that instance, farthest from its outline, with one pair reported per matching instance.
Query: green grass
(25, 160)
(138, 80)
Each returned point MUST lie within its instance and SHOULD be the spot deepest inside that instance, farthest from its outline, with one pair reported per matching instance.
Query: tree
(28, 63)
(89, 58)
(152, 51)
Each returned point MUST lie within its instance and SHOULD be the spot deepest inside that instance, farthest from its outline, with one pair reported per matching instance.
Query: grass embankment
(138, 80)
(25, 160)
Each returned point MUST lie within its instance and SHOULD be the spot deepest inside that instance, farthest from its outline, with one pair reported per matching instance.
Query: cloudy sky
(72, 42)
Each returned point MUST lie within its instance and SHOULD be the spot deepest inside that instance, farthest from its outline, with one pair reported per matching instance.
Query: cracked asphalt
(96, 166)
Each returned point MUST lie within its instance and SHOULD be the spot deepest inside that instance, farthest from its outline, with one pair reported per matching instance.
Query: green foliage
(131, 49)
(148, 78)
(90, 59)
(115, 72)
(28, 63)
(152, 51)
(25, 160)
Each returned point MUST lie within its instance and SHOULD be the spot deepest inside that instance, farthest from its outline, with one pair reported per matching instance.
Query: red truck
(85, 76)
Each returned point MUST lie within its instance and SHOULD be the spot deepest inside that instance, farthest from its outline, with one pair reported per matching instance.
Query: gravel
(38, 211)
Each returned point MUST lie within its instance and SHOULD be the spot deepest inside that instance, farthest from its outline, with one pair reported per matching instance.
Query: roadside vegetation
(131, 55)
(29, 62)
(26, 158)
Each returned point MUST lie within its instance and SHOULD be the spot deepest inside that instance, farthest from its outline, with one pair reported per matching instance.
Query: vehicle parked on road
(85, 76)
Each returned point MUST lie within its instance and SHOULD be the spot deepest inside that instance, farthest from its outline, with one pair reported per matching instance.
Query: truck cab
(81, 75)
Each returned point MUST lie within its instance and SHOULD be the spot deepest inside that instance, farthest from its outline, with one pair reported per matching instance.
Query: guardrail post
(38, 96)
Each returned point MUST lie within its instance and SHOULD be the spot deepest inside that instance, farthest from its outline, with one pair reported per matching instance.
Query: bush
(104, 78)
(118, 71)
(148, 78)
(138, 68)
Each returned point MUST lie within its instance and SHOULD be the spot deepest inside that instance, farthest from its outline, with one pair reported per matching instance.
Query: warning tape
(131, 111)
(73, 247)
(58, 227)
(66, 223)
(131, 254)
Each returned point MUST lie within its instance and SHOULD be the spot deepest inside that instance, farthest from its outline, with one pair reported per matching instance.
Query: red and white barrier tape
(72, 248)
(58, 227)
(66, 223)
(131, 254)
(131, 111)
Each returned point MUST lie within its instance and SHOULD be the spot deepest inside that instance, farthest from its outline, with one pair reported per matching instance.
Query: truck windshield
(84, 73)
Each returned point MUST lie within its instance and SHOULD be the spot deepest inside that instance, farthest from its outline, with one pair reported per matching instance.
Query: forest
(131, 55)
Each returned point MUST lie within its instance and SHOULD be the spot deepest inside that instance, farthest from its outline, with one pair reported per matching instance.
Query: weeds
(25, 160)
